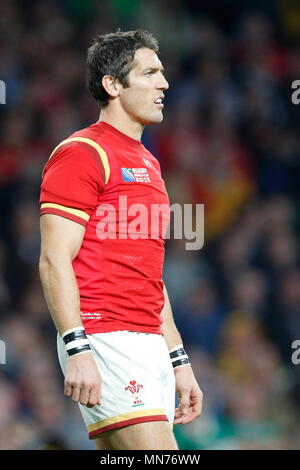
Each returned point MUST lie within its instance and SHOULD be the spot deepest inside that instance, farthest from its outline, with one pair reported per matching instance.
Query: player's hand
(83, 380)
(190, 395)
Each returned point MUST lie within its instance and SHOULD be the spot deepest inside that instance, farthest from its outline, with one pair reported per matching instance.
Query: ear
(111, 85)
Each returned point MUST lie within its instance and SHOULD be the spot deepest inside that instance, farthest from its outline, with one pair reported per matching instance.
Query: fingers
(182, 411)
(68, 389)
(181, 418)
(178, 416)
(72, 390)
(187, 412)
(86, 394)
(83, 380)
(184, 402)
(197, 406)
(190, 417)
(94, 398)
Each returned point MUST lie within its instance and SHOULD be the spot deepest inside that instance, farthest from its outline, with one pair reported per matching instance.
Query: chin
(154, 120)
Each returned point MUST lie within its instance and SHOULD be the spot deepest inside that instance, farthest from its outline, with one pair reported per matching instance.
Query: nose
(163, 84)
(166, 84)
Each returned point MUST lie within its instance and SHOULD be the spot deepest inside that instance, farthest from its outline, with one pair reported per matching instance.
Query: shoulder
(82, 149)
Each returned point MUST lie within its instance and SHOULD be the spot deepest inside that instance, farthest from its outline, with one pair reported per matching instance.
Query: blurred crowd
(229, 141)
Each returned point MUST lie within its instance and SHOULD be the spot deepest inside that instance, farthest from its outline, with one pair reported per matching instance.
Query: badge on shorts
(134, 388)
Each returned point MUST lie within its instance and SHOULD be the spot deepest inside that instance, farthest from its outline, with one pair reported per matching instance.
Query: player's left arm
(187, 388)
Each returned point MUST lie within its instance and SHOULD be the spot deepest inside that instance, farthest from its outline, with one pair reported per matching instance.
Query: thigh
(102, 443)
(154, 435)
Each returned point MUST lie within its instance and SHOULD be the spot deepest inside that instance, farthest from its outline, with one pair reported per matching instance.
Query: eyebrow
(154, 69)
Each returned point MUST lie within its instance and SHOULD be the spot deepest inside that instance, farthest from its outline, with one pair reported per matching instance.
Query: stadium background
(229, 140)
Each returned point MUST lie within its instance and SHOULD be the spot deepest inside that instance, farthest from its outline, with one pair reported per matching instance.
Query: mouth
(159, 102)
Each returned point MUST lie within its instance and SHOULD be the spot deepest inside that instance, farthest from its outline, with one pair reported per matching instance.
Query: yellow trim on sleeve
(70, 210)
(125, 417)
(92, 143)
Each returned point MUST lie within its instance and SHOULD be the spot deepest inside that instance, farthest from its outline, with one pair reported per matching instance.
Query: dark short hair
(113, 54)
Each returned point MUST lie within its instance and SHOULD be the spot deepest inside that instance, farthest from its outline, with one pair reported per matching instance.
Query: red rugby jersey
(108, 182)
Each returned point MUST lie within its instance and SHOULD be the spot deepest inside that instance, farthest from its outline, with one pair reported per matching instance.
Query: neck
(122, 122)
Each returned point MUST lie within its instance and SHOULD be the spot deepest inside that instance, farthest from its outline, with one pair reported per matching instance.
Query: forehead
(145, 58)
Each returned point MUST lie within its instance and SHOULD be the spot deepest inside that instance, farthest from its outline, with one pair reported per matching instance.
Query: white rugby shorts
(138, 382)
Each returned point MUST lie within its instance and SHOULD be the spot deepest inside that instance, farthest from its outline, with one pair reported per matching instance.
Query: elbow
(47, 262)
(53, 261)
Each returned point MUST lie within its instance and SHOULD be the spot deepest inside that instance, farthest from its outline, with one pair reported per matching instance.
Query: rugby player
(101, 264)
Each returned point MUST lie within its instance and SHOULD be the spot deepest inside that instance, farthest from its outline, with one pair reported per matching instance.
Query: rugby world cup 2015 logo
(138, 175)
(135, 388)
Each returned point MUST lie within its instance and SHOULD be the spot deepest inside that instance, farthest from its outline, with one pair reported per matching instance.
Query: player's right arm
(72, 181)
(61, 240)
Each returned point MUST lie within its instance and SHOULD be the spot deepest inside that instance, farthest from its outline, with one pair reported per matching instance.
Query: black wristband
(179, 357)
(78, 334)
(177, 353)
(78, 349)
(181, 362)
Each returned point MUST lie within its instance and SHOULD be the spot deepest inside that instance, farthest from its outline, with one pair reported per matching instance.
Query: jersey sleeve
(72, 180)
